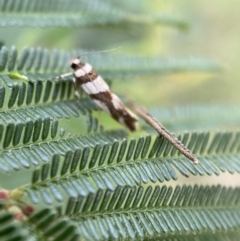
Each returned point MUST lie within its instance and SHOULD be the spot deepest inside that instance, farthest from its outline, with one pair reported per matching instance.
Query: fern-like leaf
(152, 213)
(108, 65)
(127, 163)
(80, 13)
(195, 117)
(85, 180)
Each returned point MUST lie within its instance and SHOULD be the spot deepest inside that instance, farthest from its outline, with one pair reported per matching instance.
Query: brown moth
(94, 85)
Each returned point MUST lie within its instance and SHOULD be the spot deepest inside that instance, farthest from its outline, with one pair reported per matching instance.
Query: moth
(95, 86)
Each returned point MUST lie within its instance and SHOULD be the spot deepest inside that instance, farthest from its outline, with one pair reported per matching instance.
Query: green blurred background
(213, 32)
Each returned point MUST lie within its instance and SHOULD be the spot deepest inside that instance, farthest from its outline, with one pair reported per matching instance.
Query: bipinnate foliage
(76, 13)
(93, 181)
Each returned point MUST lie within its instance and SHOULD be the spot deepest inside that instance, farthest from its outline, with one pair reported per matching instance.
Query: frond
(46, 224)
(77, 13)
(130, 163)
(158, 212)
(127, 66)
(154, 212)
(23, 125)
(36, 154)
(42, 64)
(10, 228)
(193, 117)
(183, 213)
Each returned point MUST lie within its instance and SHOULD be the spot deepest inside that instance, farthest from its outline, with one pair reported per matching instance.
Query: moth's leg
(99, 116)
(76, 92)
(63, 75)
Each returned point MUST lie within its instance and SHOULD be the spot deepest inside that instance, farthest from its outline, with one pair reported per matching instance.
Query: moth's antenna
(108, 50)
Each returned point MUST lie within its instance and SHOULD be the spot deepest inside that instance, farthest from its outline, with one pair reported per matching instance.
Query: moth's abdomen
(110, 103)
(129, 120)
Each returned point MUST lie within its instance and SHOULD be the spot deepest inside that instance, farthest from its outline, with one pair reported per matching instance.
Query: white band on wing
(83, 70)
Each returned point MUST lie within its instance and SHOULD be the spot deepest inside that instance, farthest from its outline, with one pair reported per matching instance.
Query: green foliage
(129, 163)
(197, 117)
(76, 177)
(78, 13)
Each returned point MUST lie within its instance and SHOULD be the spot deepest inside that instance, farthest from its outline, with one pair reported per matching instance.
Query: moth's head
(75, 62)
